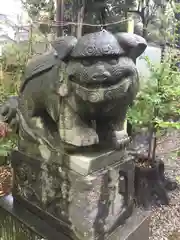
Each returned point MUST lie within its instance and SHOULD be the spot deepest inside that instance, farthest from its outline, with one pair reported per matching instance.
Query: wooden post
(80, 22)
(60, 17)
(130, 29)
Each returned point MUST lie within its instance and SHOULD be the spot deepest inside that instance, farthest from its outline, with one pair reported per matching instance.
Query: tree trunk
(163, 49)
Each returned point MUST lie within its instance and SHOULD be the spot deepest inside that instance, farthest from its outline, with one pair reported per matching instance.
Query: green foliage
(14, 54)
(34, 7)
(7, 144)
(13, 61)
(159, 99)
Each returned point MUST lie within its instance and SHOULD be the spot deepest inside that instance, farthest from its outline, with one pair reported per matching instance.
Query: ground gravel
(165, 220)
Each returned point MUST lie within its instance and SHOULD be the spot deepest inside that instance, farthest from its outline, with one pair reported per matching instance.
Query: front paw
(86, 138)
(80, 137)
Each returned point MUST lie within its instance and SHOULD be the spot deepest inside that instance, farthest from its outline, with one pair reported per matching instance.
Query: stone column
(85, 195)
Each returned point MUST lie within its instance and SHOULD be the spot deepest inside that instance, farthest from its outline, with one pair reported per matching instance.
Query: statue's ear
(134, 45)
(64, 46)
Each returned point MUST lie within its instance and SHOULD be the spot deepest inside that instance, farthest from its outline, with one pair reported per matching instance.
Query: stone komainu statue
(78, 94)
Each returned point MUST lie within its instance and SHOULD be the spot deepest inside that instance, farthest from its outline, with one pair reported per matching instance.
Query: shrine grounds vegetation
(12, 65)
(158, 100)
(157, 106)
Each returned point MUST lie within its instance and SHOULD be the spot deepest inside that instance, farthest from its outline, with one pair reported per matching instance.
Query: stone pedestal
(16, 223)
(84, 196)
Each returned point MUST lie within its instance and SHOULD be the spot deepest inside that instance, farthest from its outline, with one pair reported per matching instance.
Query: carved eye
(86, 63)
(113, 61)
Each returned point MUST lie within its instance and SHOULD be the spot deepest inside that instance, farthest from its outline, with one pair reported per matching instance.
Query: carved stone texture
(19, 223)
(27, 225)
(87, 198)
(77, 95)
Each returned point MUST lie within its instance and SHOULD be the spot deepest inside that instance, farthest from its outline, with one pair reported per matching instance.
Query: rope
(36, 24)
(62, 23)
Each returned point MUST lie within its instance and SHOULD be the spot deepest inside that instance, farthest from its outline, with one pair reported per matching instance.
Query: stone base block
(135, 228)
(85, 196)
(16, 223)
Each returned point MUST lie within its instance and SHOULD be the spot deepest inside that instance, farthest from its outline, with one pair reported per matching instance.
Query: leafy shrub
(12, 65)
(158, 99)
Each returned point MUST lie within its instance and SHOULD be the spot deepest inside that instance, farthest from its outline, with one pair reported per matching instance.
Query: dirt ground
(165, 220)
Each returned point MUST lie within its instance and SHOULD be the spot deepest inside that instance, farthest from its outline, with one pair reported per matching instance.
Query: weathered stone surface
(91, 203)
(17, 223)
(27, 225)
